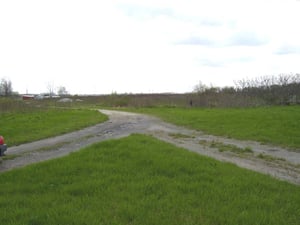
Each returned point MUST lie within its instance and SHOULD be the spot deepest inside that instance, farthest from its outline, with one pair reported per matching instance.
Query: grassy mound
(141, 180)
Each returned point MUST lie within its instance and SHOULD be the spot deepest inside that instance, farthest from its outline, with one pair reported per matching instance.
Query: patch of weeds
(10, 157)
(204, 142)
(269, 157)
(230, 148)
(89, 136)
(180, 135)
(248, 149)
(214, 144)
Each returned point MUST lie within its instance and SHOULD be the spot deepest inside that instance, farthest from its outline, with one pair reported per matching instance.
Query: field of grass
(35, 124)
(278, 125)
(141, 180)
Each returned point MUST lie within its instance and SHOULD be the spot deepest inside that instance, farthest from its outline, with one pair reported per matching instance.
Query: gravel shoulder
(275, 161)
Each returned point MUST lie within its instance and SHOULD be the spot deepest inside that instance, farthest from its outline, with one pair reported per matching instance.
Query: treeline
(283, 89)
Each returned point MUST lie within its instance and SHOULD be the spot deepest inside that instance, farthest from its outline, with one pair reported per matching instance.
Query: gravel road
(275, 161)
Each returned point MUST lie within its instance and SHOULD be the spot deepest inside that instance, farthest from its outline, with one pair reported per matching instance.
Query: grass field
(140, 180)
(30, 125)
(273, 125)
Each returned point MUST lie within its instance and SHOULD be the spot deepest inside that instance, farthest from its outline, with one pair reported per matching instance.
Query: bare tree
(280, 89)
(6, 87)
(50, 89)
(241, 84)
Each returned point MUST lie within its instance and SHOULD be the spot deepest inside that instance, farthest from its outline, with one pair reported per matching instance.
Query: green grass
(141, 180)
(22, 127)
(272, 125)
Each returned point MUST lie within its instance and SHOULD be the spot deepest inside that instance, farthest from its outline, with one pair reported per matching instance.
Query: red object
(27, 97)
(1, 140)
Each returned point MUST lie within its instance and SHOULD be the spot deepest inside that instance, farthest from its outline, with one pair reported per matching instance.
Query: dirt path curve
(271, 160)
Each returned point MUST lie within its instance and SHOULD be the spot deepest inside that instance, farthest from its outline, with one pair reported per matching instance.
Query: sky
(150, 46)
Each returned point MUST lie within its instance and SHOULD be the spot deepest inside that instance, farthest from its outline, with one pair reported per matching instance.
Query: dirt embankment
(277, 162)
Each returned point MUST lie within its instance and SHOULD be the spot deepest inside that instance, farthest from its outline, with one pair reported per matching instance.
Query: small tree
(6, 87)
(200, 88)
(62, 91)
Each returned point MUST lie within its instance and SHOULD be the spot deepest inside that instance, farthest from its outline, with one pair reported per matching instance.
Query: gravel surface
(275, 161)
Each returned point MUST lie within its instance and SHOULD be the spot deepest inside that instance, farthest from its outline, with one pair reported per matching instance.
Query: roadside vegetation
(226, 147)
(30, 124)
(278, 125)
(141, 180)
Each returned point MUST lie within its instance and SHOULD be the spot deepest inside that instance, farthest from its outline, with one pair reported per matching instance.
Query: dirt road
(270, 160)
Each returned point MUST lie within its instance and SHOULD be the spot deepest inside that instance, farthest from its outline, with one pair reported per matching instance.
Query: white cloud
(288, 49)
(246, 38)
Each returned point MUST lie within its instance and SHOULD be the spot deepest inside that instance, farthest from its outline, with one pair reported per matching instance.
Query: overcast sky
(135, 46)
